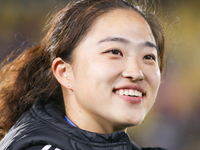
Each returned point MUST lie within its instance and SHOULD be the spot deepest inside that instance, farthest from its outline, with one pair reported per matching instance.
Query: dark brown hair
(29, 77)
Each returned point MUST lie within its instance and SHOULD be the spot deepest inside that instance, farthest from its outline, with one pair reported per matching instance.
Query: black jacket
(41, 125)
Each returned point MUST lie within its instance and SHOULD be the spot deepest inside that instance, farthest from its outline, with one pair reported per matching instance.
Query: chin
(121, 126)
(134, 121)
(124, 126)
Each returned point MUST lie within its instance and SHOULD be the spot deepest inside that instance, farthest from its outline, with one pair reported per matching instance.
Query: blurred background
(174, 122)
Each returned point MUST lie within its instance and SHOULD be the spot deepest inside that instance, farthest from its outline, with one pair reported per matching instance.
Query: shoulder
(42, 147)
(32, 131)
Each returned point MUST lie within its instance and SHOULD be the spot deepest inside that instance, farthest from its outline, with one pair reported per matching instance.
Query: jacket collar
(48, 114)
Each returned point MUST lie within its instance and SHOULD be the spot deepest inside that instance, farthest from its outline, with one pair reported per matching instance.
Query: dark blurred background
(174, 122)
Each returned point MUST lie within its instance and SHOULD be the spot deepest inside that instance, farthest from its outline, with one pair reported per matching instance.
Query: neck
(88, 122)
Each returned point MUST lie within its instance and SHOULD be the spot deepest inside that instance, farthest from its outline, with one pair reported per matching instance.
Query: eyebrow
(114, 39)
(150, 44)
(126, 41)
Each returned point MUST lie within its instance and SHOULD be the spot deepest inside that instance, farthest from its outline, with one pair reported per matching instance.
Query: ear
(61, 71)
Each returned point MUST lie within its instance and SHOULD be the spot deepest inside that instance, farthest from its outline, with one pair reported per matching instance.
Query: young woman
(95, 73)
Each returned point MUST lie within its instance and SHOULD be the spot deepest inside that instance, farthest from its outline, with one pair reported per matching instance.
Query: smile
(129, 92)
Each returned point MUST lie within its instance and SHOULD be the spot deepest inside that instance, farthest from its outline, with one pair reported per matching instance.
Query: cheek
(101, 69)
(153, 78)
(95, 73)
(153, 81)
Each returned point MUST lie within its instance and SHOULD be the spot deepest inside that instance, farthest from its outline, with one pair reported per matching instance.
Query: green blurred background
(174, 122)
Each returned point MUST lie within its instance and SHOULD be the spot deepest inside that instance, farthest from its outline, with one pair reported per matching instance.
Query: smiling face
(115, 74)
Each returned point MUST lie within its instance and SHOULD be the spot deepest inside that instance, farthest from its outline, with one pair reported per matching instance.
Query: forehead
(125, 23)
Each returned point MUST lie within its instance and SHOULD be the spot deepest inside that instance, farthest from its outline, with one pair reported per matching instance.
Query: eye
(114, 52)
(150, 57)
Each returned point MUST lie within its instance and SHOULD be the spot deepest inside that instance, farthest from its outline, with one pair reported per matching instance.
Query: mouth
(132, 94)
(129, 92)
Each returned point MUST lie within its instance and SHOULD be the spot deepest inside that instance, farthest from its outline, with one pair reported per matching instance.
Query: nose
(133, 71)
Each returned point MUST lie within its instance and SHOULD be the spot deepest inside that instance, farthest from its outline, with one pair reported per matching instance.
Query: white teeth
(126, 92)
(129, 92)
(121, 92)
(137, 93)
